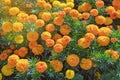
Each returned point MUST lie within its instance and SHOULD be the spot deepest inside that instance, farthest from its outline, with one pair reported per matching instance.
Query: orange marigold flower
(22, 65)
(12, 47)
(32, 18)
(73, 60)
(110, 9)
(23, 51)
(41, 66)
(41, 3)
(57, 36)
(80, 16)
(86, 64)
(100, 19)
(116, 4)
(50, 27)
(28, 5)
(91, 28)
(61, 14)
(7, 2)
(22, 17)
(58, 48)
(65, 29)
(74, 13)
(14, 10)
(32, 36)
(82, 42)
(12, 60)
(47, 6)
(85, 15)
(104, 31)
(99, 3)
(57, 65)
(38, 50)
(17, 26)
(108, 21)
(94, 12)
(85, 7)
(67, 9)
(89, 37)
(114, 54)
(7, 26)
(46, 35)
(103, 40)
(16, 52)
(50, 42)
(114, 15)
(46, 16)
(66, 39)
(58, 21)
(3, 56)
(60, 41)
(32, 44)
(39, 23)
(113, 40)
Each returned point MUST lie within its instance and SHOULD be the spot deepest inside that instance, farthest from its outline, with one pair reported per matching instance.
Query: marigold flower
(100, 19)
(65, 29)
(14, 10)
(0, 76)
(28, 5)
(66, 39)
(99, 3)
(17, 26)
(85, 7)
(47, 6)
(80, 16)
(38, 50)
(19, 39)
(57, 36)
(91, 28)
(56, 3)
(94, 12)
(7, 26)
(23, 51)
(69, 74)
(41, 66)
(39, 23)
(108, 21)
(114, 54)
(113, 40)
(46, 35)
(61, 14)
(32, 44)
(73, 60)
(32, 18)
(41, 3)
(57, 65)
(70, 4)
(12, 60)
(62, 5)
(60, 41)
(67, 9)
(74, 13)
(22, 65)
(32, 36)
(3, 56)
(82, 42)
(114, 15)
(103, 40)
(22, 17)
(58, 48)
(116, 4)
(104, 31)
(89, 37)
(7, 2)
(110, 9)
(12, 47)
(85, 15)
(50, 27)
(58, 21)
(50, 42)
(7, 71)
(46, 16)
(70, 1)
(86, 64)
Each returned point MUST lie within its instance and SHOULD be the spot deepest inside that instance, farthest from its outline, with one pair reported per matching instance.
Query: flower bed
(51, 39)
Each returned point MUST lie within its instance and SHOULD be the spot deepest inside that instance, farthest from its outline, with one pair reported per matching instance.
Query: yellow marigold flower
(17, 26)
(47, 6)
(100, 19)
(7, 2)
(12, 60)
(22, 65)
(108, 21)
(104, 31)
(0, 76)
(38, 50)
(19, 39)
(57, 65)
(7, 71)
(70, 1)
(69, 74)
(46, 35)
(32, 36)
(56, 3)
(14, 10)
(73, 60)
(86, 64)
(103, 40)
(22, 17)
(7, 26)
(70, 4)
(62, 5)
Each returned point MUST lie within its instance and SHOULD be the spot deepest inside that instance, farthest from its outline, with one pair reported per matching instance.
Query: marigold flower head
(32, 36)
(32, 44)
(47, 6)
(110, 9)
(116, 4)
(86, 64)
(70, 1)
(65, 29)
(22, 65)
(22, 17)
(108, 21)
(58, 48)
(46, 35)
(7, 71)
(50, 42)
(41, 66)
(67, 9)
(85, 7)
(70, 4)
(23, 51)
(32, 18)
(61, 14)
(19, 39)
(3, 56)
(14, 10)
(113, 40)
(74, 13)
(91, 28)
(50, 27)
(69, 74)
(12, 47)
(62, 5)
(17, 26)
(39, 23)
(99, 3)
(100, 19)
(58, 21)
(85, 15)
(28, 5)
(94, 12)
(103, 40)
(7, 26)
(12, 60)
(46, 16)
(66, 39)
(7, 2)
(73, 60)
(89, 37)
(104, 31)
(114, 15)
(57, 36)
(41, 3)
(38, 50)
(56, 3)
(82, 42)
(57, 65)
